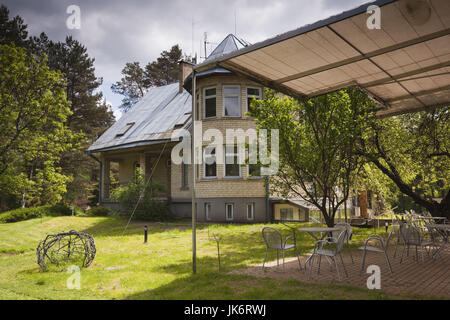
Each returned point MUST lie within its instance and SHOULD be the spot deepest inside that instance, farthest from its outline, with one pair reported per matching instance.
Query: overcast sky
(120, 31)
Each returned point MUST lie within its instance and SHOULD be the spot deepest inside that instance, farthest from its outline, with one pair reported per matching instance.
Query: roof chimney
(185, 69)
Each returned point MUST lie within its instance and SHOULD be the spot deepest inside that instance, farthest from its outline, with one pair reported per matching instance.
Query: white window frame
(205, 97)
(204, 164)
(259, 97)
(225, 163)
(238, 96)
(208, 211)
(232, 211)
(252, 206)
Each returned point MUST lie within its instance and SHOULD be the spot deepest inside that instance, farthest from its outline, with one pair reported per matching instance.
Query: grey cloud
(116, 32)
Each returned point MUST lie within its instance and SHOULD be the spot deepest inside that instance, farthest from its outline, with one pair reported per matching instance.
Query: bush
(98, 212)
(144, 193)
(22, 214)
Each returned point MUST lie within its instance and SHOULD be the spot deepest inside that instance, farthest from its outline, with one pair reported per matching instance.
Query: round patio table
(313, 232)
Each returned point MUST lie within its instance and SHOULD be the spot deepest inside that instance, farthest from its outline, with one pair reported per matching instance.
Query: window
(252, 93)
(287, 214)
(125, 129)
(232, 166)
(302, 214)
(185, 176)
(208, 210)
(250, 211)
(231, 101)
(209, 104)
(197, 108)
(210, 165)
(229, 210)
(254, 170)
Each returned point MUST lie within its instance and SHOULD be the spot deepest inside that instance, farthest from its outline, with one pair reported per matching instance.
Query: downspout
(99, 177)
(268, 214)
(194, 211)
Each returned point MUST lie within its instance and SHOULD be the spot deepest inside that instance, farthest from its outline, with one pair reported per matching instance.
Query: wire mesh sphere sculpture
(68, 247)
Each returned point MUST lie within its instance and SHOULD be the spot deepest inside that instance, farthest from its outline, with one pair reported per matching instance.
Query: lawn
(126, 268)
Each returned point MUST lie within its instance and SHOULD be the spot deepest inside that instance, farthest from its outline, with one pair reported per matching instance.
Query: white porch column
(105, 178)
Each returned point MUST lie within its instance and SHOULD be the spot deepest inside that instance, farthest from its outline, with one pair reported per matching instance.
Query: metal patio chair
(413, 237)
(274, 240)
(437, 237)
(396, 229)
(329, 249)
(380, 249)
(348, 237)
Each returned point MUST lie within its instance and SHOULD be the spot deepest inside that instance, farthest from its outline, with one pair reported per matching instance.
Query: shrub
(22, 214)
(98, 212)
(142, 192)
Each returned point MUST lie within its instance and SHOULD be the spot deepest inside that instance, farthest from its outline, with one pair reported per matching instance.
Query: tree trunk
(329, 220)
(435, 208)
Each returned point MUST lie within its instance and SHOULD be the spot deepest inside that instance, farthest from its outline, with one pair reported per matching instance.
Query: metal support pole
(145, 233)
(194, 211)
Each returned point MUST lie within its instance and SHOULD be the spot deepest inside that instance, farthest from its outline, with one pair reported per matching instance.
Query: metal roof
(404, 65)
(155, 116)
(229, 44)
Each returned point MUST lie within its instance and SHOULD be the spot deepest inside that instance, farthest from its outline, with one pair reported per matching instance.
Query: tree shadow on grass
(117, 226)
(214, 285)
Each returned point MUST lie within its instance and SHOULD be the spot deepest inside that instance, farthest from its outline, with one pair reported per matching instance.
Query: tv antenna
(205, 43)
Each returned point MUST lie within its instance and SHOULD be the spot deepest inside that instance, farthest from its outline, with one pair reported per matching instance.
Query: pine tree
(132, 85)
(136, 80)
(164, 70)
(12, 31)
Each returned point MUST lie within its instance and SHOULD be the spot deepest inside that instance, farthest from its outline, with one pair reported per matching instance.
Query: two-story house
(225, 192)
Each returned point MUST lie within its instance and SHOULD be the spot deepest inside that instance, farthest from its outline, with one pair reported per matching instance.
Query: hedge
(98, 212)
(22, 214)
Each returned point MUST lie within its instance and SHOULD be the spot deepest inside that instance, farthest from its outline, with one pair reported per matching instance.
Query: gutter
(130, 145)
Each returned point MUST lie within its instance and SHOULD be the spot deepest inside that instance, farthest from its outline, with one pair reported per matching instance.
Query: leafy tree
(132, 85)
(33, 112)
(317, 157)
(413, 150)
(12, 31)
(90, 114)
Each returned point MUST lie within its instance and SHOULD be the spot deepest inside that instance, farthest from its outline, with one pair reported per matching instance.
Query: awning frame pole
(193, 158)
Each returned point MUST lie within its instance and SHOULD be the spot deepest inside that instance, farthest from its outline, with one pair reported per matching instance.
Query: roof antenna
(192, 30)
(205, 42)
(235, 28)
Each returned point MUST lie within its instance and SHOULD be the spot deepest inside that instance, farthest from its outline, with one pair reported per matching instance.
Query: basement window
(229, 210)
(125, 129)
(208, 211)
(250, 211)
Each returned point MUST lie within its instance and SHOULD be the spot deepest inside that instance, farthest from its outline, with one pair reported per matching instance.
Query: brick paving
(432, 279)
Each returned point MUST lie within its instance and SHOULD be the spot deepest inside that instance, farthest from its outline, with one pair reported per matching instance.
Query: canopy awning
(404, 65)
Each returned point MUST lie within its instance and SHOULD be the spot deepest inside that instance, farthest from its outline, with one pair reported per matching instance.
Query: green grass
(126, 268)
